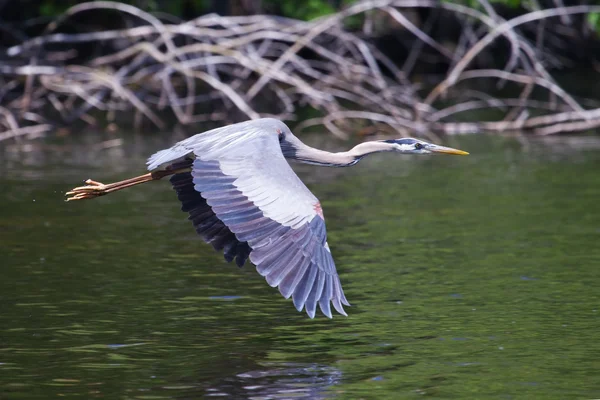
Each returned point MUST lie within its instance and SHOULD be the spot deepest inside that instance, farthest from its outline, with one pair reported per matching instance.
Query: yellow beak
(446, 150)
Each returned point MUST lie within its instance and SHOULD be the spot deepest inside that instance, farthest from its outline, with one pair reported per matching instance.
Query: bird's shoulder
(242, 139)
(255, 138)
(247, 130)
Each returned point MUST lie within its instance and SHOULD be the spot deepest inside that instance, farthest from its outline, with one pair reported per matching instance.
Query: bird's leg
(94, 189)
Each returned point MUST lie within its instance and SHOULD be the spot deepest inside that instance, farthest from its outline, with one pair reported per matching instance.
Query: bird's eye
(418, 146)
(281, 135)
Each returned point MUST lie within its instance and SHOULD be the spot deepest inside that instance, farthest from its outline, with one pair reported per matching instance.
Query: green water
(469, 277)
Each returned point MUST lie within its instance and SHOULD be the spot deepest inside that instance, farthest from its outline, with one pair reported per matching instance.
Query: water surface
(469, 277)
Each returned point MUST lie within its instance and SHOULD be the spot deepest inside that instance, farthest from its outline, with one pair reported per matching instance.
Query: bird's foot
(89, 191)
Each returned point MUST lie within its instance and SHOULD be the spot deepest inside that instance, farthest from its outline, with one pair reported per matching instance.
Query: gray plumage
(259, 204)
(245, 200)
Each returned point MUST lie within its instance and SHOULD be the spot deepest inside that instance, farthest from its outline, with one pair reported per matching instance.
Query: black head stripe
(402, 141)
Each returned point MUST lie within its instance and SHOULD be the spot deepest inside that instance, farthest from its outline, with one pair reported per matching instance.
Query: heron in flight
(246, 201)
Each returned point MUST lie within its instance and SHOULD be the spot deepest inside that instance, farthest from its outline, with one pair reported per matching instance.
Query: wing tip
(338, 307)
(302, 301)
(324, 305)
(325, 309)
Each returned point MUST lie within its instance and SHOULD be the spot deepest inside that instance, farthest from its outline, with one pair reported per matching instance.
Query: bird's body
(245, 200)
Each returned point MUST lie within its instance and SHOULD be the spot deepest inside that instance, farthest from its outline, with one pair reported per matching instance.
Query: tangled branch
(217, 68)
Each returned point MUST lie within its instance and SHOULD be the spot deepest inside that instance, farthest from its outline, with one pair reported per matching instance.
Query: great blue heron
(244, 199)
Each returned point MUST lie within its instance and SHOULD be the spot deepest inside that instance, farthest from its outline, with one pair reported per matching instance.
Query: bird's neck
(310, 155)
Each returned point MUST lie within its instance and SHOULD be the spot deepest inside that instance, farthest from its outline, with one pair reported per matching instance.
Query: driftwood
(233, 68)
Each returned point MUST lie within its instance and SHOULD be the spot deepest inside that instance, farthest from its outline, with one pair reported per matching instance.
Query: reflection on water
(469, 277)
(279, 381)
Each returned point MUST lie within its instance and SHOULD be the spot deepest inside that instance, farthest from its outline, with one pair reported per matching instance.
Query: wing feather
(289, 283)
(244, 199)
(315, 294)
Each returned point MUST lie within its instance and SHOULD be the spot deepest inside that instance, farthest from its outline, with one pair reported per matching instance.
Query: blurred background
(469, 277)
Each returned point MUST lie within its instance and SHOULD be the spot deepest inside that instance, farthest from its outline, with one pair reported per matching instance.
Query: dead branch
(217, 68)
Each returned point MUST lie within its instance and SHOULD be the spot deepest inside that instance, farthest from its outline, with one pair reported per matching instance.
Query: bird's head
(417, 146)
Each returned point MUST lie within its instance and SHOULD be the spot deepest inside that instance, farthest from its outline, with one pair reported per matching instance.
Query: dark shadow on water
(279, 381)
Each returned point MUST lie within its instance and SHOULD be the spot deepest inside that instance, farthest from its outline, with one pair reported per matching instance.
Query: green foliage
(594, 21)
(176, 8)
(510, 3)
(52, 8)
(313, 9)
(310, 9)
(305, 10)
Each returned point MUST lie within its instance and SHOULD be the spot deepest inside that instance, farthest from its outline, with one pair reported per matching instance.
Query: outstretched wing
(206, 223)
(251, 188)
